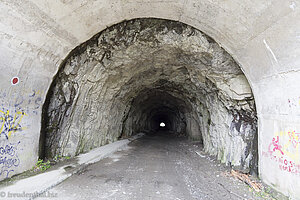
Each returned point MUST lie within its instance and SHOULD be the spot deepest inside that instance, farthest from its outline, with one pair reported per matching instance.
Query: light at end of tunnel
(162, 124)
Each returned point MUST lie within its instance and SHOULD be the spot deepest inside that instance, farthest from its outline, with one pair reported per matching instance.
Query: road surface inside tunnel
(156, 166)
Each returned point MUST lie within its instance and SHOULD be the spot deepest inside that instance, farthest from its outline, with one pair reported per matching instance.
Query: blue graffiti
(9, 159)
(27, 101)
(8, 150)
(9, 162)
(33, 93)
(19, 101)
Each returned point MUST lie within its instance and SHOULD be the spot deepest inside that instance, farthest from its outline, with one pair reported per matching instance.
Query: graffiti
(9, 159)
(37, 101)
(289, 166)
(284, 164)
(275, 145)
(19, 101)
(10, 123)
(290, 144)
(29, 100)
(284, 150)
(294, 138)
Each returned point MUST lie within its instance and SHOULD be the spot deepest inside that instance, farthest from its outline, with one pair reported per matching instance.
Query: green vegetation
(41, 165)
(58, 158)
(269, 194)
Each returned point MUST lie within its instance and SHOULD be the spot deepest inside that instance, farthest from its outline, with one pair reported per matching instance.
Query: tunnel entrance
(136, 74)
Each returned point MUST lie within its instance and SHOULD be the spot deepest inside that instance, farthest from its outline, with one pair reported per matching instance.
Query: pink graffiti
(289, 166)
(276, 146)
(284, 164)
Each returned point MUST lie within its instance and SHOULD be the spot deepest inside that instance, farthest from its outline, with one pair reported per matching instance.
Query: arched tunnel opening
(137, 74)
(163, 121)
(156, 106)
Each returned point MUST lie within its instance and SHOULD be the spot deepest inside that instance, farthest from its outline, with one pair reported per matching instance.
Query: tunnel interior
(153, 107)
(162, 121)
(140, 73)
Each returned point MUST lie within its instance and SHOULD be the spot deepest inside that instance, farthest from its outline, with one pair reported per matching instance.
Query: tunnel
(153, 107)
(140, 73)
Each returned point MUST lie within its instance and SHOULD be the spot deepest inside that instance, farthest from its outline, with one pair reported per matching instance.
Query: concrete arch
(263, 37)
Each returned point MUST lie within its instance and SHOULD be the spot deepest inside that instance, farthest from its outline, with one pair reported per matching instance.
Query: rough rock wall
(91, 101)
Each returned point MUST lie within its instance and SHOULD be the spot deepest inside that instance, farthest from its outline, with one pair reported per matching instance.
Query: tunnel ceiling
(124, 78)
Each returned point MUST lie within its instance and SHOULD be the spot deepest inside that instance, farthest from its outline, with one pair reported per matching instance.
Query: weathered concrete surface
(31, 187)
(130, 76)
(263, 36)
(158, 166)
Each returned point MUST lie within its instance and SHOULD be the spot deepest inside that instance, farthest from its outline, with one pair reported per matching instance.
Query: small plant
(58, 158)
(67, 157)
(41, 165)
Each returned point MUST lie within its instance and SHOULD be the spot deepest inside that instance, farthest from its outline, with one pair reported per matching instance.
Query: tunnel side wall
(37, 35)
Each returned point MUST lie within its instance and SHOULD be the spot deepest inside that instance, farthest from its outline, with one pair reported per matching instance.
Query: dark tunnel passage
(153, 107)
(163, 115)
(163, 121)
(134, 76)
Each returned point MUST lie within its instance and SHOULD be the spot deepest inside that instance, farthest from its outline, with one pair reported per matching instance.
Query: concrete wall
(263, 36)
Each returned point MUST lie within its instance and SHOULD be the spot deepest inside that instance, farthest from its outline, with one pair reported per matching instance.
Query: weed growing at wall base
(41, 165)
(58, 158)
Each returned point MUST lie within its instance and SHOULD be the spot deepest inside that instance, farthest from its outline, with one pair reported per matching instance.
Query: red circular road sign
(14, 80)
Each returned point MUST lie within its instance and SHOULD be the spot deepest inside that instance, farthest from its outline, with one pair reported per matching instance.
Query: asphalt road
(158, 166)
